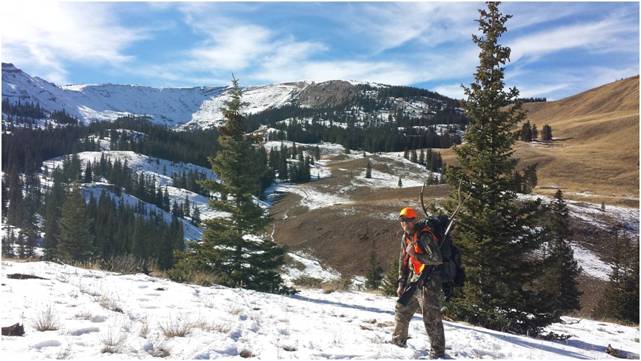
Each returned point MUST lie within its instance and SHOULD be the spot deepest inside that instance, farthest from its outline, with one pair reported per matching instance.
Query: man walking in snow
(420, 252)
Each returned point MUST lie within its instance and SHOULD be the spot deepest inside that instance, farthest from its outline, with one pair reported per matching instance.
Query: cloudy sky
(558, 49)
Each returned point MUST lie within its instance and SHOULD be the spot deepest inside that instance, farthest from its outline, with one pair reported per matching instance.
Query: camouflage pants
(427, 299)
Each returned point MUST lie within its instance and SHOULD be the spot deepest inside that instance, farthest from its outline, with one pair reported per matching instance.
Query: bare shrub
(113, 341)
(125, 264)
(342, 284)
(178, 327)
(308, 282)
(158, 350)
(219, 327)
(84, 315)
(47, 320)
(110, 303)
(144, 328)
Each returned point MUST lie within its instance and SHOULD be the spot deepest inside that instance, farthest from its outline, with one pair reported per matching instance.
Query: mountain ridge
(185, 108)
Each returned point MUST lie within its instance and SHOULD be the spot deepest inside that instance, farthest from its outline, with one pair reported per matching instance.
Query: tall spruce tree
(561, 270)
(230, 249)
(375, 273)
(497, 235)
(75, 241)
(389, 284)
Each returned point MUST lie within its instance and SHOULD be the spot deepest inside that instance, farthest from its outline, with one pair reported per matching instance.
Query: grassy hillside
(595, 152)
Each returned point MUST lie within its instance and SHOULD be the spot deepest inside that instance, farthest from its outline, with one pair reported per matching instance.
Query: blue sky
(558, 49)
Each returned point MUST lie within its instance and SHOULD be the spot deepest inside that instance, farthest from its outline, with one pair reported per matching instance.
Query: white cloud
(450, 90)
(388, 26)
(594, 36)
(43, 35)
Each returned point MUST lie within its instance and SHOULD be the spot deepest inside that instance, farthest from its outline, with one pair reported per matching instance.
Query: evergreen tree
(400, 182)
(413, 156)
(620, 299)
(88, 173)
(75, 241)
(195, 216)
(7, 244)
(535, 132)
(52, 213)
(526, 132)
(562, 270)
(16, 200)
(390, 279)
(547, 133)
(368, 170)
(497, 235)
(406, 153)
(421, 157)
(226, 249)
(375, 273)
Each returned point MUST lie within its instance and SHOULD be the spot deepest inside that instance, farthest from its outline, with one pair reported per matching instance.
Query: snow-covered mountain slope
(257, 99)
(101, 315)
(171, 106)
(200, 107)
(162, 169)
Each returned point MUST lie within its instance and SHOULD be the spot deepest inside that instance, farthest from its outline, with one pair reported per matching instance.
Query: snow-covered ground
(308, 266)
(134, 316)
(310, 196)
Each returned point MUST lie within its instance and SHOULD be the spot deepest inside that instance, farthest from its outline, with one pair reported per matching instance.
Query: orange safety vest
(416, 264)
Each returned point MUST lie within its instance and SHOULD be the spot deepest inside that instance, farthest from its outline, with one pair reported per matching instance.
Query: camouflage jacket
(431, 255)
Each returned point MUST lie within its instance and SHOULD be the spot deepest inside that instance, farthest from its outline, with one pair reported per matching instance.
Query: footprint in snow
(47, 343)
(82, 331)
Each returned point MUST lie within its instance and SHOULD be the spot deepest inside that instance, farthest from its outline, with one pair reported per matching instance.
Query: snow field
(102, 315)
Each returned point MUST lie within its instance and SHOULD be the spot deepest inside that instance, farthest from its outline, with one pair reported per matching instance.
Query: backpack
(452, 271)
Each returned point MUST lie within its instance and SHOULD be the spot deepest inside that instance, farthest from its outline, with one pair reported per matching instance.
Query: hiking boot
(399, 343)
(437, 355)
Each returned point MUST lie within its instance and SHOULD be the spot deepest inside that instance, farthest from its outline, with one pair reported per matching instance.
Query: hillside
(101, 315)
(594, 155)
(343, 217)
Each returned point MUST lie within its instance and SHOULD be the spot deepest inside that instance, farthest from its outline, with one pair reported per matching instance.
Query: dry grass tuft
(47, 320)
(113, 341)
(176, 327)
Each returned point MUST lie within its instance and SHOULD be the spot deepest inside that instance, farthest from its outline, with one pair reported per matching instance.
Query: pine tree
(75, 241)
(390, 280)
(7, 244)
(400, 182)
(535, 132)
(368, 170)
(226, 249)
(375, 273)
(547, 133)
(52, 213)
(195, 216)
(497, 235)
(561, 269)
(421, 157)
(15, 209)
(526, 132)
(620, 299)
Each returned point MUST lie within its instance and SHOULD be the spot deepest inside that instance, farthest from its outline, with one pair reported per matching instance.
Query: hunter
(419, 251)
